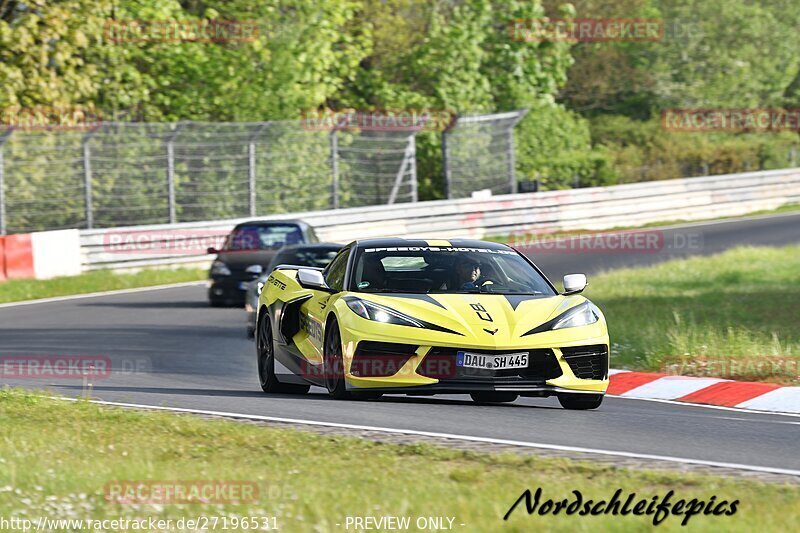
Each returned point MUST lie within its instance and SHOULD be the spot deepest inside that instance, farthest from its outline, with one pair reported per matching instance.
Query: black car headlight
(381, 313)
(583, 314)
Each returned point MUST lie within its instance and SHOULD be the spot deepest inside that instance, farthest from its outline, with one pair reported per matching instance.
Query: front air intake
(587, 362)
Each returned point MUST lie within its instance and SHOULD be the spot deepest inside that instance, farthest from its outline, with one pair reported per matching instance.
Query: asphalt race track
(182, 353)
(673, 242)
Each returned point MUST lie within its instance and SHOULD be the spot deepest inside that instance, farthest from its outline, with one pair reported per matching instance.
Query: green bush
(554, 146)
(644, 151)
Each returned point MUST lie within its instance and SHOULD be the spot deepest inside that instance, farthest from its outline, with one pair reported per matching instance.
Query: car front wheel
(333, 363)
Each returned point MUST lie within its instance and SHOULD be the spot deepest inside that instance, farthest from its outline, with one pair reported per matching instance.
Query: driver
(467, 274)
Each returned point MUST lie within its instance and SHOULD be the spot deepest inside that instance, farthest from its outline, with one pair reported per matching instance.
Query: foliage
(456, 55)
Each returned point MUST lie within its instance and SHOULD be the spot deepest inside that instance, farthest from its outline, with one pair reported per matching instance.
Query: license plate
(506, 361)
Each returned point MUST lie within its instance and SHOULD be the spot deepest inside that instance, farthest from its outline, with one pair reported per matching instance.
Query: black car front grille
(587, 362)
(440, 363)
(380, 359)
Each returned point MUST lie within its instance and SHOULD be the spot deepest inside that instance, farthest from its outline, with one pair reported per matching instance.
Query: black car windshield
(313, 257)
(263, 237)
(446, 270)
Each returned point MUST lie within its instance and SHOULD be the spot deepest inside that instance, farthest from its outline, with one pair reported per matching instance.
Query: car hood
(509, 316)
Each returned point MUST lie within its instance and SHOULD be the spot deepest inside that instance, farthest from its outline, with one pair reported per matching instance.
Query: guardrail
(594, 208)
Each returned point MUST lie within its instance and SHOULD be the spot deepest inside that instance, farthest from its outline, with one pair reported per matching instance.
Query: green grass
(744, 303)
(101, 280)
(508, 239)
(56, 457)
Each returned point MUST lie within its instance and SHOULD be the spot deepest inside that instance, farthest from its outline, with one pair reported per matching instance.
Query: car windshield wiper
(393, 291)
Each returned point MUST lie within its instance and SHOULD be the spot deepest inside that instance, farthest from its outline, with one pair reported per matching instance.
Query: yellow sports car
(428, 317)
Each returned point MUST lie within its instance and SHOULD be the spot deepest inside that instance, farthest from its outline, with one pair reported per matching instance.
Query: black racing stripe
(429, 325)
(515, 299)
(412, 296)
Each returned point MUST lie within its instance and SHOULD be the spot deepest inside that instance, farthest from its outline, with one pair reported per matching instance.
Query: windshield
(313, 257)
(447, 270)
(263, 237)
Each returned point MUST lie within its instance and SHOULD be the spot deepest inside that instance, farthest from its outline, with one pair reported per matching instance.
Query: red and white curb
(707, 391)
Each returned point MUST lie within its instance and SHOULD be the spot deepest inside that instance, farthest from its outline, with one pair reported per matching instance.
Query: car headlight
(380, 313)
(218, 268)
(580, 315)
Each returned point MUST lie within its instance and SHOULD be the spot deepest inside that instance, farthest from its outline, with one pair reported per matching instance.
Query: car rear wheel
(493, 397)
(266, 362)
(580, 401)
(334, 363)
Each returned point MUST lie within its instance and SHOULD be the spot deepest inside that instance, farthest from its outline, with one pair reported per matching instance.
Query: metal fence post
(251, 177)
(413, 163)
(87, 179)
(3, 140)
(334, 140)
(398, 180)
(251, 168)
(171, 173)
(446, 165)
(511, 162)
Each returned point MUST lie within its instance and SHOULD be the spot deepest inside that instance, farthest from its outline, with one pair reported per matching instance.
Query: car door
(315, 309)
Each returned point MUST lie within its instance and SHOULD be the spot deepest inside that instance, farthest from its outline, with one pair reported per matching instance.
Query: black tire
(333, 363)
(493, 397)
(580, 401)
(265, 352)
(216, 303)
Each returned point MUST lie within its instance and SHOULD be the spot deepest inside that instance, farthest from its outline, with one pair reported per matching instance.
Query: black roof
(268, 222)
(311, 246)
(456, 243)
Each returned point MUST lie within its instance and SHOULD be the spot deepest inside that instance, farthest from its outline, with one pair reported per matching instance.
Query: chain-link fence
(478, 154)
(130, 174)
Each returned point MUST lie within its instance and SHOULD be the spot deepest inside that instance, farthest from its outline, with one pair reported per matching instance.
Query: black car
(247, 252)
(312, 255)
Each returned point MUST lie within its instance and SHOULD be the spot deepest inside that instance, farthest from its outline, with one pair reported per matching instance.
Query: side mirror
(211, 250)
(311, 279)
(574, 283)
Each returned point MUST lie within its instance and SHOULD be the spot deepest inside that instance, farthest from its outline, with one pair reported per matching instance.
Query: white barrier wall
(56, 253)
(595, 208)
